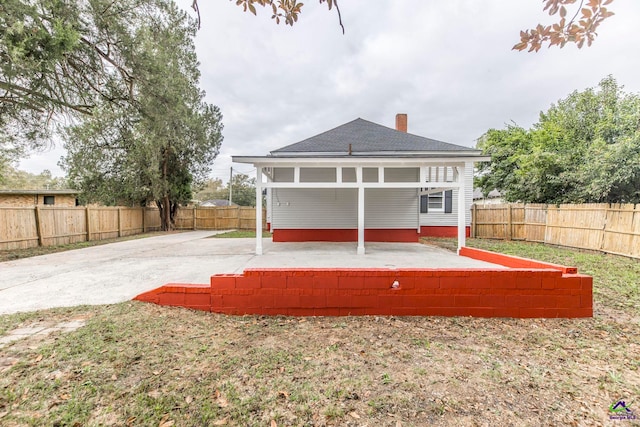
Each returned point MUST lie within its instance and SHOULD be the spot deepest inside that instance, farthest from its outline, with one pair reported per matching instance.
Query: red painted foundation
(345, 235)
(519, 292)
(442, 231)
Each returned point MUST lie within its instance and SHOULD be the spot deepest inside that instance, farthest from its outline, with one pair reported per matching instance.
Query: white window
(436, 202)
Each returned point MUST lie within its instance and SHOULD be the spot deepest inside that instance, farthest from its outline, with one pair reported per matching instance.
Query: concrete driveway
(119, 271)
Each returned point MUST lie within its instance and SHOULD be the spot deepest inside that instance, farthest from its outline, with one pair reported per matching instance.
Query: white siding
(390, 208)
(441, 218)
(338, 208)
(317, 174)
(314, 208)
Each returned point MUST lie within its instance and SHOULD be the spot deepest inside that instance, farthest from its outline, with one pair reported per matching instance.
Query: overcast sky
(447, 64)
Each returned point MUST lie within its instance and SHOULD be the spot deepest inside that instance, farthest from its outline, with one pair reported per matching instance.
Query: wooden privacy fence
(218, 218)
(29, 227)
(614, 229)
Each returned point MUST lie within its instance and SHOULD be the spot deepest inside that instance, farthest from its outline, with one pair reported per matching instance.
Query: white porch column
(258, 210)
(360, 249)
(462, 209)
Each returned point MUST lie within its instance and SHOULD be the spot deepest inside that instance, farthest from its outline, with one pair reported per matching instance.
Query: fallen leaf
(168, 423)
(222, 402)
(222, 422)
(283, 394)
(157, 372)
(39, 358)
(2, 414)
(114, 377)
(65, 396)
(188, 399)
(154, 394)
(398, 424)
(354, 415)
(273, 423)
(163, 420)
(130, 421)
(220, 399)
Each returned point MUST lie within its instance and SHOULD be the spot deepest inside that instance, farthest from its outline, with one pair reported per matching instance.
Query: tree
(211, 189)
(57, 60)
(156, 146)
(15, 179)
(584, 149)
(244, 190)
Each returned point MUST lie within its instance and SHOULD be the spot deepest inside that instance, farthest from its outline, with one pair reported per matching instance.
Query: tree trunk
(166, 221)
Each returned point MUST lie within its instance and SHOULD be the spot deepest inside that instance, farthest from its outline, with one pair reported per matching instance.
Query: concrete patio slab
(119, 271)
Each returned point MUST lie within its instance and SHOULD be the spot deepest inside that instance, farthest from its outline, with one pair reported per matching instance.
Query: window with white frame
(440, 202)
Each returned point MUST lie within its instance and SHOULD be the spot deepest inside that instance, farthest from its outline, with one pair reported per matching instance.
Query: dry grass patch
(145, 365)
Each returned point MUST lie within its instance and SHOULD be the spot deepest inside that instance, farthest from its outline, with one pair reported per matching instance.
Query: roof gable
(363, 136)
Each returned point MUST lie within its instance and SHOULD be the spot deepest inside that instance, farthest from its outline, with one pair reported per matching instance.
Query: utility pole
(230, 186)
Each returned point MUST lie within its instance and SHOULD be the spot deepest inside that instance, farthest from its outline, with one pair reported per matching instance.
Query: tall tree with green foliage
(584, 149)
(58, 59)
(153, 147)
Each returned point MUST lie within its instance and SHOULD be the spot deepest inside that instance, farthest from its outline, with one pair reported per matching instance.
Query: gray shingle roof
(367, 137)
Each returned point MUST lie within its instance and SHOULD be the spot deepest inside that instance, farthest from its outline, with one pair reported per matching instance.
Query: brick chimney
(401, 122)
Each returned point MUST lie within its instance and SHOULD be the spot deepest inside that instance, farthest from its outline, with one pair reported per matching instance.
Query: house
(493, 198)
(216, 203)
(31, 198)
(366, 182)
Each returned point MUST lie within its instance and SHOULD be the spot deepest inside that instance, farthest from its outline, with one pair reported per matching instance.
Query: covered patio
(363, 182)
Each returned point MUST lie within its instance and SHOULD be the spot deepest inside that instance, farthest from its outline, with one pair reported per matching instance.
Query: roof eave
(272, 160)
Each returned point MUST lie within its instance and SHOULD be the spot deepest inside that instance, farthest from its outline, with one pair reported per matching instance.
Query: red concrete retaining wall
(197, 297)
(345, 235)
(512, 261)
(442, 231)
(519, 293)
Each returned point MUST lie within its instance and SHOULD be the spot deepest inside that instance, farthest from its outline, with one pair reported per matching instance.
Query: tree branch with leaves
(579, 27)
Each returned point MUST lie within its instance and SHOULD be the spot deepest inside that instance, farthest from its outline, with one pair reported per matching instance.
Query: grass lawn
(143, 365)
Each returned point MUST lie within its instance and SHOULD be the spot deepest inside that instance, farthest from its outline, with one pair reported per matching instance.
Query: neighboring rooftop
(216, 203)
(40, 191)
(366, 138)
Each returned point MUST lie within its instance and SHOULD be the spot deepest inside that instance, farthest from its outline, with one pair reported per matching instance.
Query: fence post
(38, 225)
(238, 217)
(474, 218)
(195, 217)
(88, 221)
(144, 214)
(119, 222)
(509, 223)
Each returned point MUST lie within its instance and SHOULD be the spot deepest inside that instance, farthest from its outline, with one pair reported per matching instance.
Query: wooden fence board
(217, 218)
(28, 227)
(535, 219)
(613, 229)
(18, 228)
